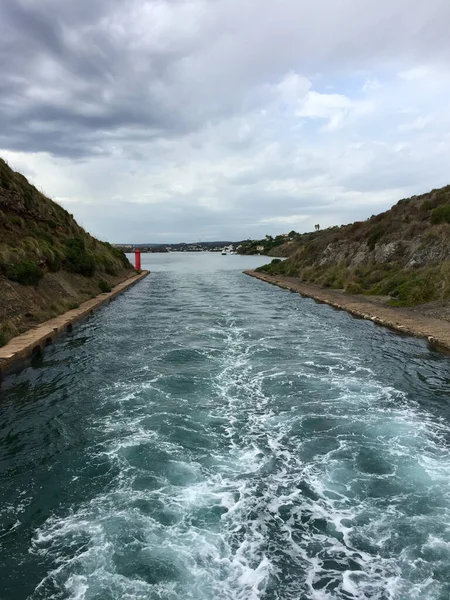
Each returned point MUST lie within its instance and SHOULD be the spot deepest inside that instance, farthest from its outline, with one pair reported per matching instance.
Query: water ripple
(219, 438)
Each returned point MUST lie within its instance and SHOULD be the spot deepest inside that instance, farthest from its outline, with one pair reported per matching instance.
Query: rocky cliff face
(403, 253)
(419, 252)
(48, 263)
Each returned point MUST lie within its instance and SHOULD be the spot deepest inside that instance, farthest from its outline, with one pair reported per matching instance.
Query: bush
(51, 224)
(121, 256)
(389, 285)
(26, 273)
(413, 292)
(353, 288)
(54, 263)
(47, 237)
(3, 339)
(275, 261)
(110, 267)
(441, 214)
(104, 286)
(78, 260)
(376, 233)
(16, 220)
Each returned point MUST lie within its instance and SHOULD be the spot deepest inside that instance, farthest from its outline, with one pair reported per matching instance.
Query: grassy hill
(48, 263)
(402, 254)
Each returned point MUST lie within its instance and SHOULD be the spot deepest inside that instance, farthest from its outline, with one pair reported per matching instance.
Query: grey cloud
(206, 69)
(178, 99)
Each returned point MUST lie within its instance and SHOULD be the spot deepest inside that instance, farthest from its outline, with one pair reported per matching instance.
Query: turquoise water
(208, 436)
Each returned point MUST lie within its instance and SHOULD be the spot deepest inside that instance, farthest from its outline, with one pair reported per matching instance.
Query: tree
(317, 227)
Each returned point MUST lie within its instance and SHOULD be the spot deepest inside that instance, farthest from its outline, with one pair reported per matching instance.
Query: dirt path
(436, 331)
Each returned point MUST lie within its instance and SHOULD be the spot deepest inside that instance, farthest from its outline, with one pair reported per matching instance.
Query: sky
(186, 120)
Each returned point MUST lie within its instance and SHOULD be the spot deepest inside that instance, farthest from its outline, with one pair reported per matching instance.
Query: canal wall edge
(436, 331)
(22, 347)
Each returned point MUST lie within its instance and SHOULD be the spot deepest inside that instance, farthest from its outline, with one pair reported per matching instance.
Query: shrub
(275, 261)
(389, 285)
(290, 270)
(440, 197)
(54, 263)
(104, 286)
(110, 267)
(3, 339)
(26, 273)
(441, 214)
(16, 220)
(120, 255)
(47, 237)
(353, 288)
(416, 291)
(375, 235)
(78, 259)
(51, 224)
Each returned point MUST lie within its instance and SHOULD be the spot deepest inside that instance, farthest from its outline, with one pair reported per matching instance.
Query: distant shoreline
(436, 331)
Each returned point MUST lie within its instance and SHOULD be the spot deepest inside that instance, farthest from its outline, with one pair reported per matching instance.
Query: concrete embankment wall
(436, 331)
(21, 348)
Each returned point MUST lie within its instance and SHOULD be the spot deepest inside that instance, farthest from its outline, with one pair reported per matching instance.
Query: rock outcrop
(403, 253)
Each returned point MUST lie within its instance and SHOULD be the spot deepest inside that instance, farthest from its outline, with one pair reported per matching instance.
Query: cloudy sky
(179, 120)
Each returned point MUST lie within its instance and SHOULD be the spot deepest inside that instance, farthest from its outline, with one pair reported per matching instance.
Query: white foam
(268, 484)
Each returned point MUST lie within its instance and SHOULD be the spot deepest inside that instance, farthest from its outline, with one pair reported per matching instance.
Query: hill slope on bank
(48, 263)
(402, 255)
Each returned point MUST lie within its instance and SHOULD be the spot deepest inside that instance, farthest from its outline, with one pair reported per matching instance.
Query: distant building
(260, 248)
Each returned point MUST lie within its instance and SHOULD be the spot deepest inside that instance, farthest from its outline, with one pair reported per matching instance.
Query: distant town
(183, 247)
(242, 247)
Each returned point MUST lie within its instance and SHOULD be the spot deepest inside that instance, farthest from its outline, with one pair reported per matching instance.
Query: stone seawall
(436, 331)
(21, 348)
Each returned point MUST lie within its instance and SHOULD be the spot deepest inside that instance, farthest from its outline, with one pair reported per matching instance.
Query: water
(208, 436)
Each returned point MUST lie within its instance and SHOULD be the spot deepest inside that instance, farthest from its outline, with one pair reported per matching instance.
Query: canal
(207, 436)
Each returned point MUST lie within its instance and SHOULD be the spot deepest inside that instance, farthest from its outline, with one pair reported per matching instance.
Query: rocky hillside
(402, 254)
(48, 263)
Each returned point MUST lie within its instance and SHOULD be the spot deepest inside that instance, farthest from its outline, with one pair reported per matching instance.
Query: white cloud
(416, 125)
(371, 84)
(293, 88)
(415, 74)
(288, 220)
(334, 108)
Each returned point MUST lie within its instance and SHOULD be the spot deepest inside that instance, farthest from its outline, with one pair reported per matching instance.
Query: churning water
(210, 437)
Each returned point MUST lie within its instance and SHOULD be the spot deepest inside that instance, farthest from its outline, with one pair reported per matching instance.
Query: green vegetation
(267, 245)
(73, 306)
(3, 339)
(48, 263)
(104, 286)
(402, 254)
(441, 214)
(39, 236)
(26, 272)
(279, 267)
(78, 259)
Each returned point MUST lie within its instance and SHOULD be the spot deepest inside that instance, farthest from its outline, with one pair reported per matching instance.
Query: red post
(137, 259)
